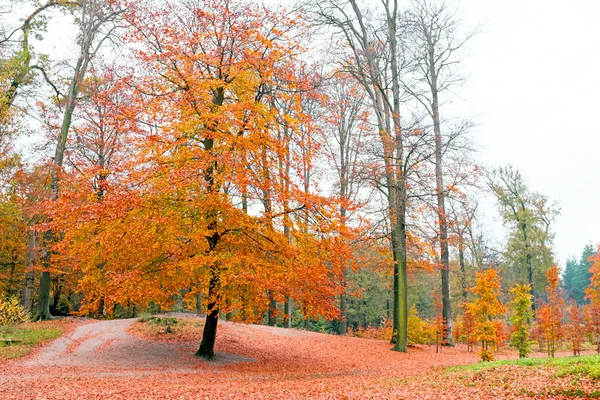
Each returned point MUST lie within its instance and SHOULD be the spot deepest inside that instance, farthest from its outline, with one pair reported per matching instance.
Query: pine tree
(577, 275)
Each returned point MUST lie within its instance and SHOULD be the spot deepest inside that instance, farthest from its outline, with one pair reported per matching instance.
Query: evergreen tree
(577, 275)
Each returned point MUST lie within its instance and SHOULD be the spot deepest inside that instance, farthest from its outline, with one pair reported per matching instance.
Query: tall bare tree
(373, 61)
(431, 45)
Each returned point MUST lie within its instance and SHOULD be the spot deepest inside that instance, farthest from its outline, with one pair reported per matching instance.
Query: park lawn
(28, 336)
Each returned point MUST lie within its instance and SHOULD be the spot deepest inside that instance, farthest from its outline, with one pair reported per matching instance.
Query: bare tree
(432, 49)
(374, 62)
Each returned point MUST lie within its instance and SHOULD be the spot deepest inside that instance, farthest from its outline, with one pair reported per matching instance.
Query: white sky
(533, 90)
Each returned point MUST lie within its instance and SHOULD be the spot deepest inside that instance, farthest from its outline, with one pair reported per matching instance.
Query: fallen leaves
(259, 362)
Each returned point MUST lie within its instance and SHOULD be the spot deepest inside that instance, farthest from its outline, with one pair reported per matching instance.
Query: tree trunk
(530, 279)
(440, 196)
(43, 309)
(401, 294)
(209, 335)
(461, 261)
(56, 294)
(288, 312)
(28, 285)
(343, 323)
(272, 312)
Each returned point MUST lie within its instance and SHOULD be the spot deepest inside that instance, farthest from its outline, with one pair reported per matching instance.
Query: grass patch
(564, 366)
(27, 337)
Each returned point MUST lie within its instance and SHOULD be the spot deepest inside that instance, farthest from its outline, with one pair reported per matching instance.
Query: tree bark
(28, 285)
(272, 312)
(288, 312)
(209, 335)
(440, 196)
(461, 261)
(43, 309)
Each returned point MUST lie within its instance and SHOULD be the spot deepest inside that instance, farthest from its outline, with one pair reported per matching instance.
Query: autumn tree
(575, 330)
(13, 229)
(550, 314)
(521, 315)
(346, 131)
(485, 309)
(468, 326)
(95, 26)
(210, 81)
(592, 294)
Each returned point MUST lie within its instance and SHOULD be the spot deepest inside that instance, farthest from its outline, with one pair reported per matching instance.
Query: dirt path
(105, 349)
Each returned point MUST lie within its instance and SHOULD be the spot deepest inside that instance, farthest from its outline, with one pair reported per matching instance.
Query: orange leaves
(550, 314)
(592, 293)
(195, 170)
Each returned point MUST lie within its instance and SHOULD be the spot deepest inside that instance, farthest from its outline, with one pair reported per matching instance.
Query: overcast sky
(532, 88)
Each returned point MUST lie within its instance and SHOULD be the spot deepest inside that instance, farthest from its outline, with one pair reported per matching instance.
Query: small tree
(468, 326)
(485, 309)
(521, 315)
(592, 294)
(592, 324)
(550, 314)
(576, 329)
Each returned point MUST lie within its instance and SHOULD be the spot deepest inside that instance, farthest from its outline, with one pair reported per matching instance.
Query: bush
(419, 331)
(382, 332)
(487, 355)
(11, 311)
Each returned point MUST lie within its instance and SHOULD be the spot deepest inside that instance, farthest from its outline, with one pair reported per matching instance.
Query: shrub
(419, 331)
(11, 311)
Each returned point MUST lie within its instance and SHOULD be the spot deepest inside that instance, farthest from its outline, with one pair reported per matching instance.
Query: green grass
(565, 366)
(28, 336)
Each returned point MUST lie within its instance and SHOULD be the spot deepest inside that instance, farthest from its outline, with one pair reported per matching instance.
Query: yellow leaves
(486, 308)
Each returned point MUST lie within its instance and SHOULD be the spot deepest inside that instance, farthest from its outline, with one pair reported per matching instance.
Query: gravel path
(106, 346)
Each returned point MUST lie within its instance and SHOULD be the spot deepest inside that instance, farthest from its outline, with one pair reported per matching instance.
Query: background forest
(300, 167)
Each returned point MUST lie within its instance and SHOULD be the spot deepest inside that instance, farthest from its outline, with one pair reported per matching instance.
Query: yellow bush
(419, 331)
(11, 311)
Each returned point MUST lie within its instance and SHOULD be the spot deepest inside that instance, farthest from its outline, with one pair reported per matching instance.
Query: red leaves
(265, 362)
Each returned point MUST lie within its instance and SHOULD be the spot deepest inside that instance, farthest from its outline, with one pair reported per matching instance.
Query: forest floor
(120, 359)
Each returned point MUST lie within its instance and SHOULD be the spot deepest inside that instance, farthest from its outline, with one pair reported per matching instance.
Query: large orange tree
(215, 195)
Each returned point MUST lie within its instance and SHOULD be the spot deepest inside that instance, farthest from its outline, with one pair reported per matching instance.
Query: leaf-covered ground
(125, 359)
